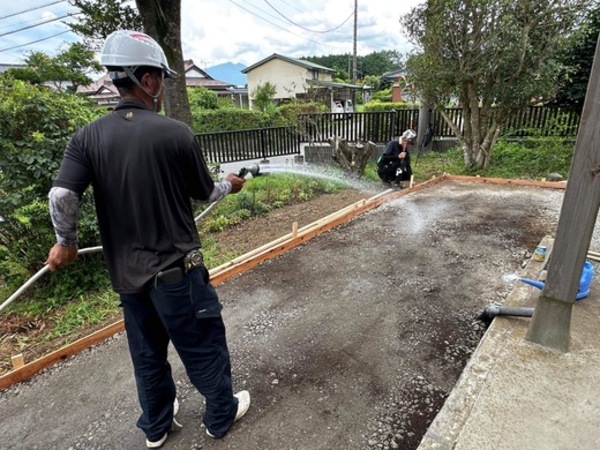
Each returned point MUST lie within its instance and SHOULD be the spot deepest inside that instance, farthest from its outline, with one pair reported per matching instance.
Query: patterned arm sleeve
(64, 211)
(220, 190)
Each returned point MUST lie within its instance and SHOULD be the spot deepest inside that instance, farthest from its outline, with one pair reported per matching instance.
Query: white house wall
(289, 79)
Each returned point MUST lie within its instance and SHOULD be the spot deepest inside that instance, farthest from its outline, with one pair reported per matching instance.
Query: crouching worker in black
(144, 169)
(394, 164)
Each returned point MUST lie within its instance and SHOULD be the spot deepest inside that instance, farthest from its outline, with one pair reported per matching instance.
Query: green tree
(373, 81)
(99, 18)
(375, 63)
(339, 63)
(378, 63)
(578, 58)
(494, 56)
(262, 97)
(69, 66)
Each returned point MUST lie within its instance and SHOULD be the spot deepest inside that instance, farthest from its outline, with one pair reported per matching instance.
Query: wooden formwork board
(249, 260)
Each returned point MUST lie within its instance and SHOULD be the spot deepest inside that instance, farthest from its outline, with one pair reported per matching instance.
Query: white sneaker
(243, 406)
(174, 427)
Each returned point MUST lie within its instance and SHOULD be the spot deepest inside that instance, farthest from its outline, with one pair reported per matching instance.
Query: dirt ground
(30, 336)
(350, 341)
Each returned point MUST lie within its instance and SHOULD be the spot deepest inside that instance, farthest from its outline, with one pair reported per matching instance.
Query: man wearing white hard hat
(393, 167)
(144, 169)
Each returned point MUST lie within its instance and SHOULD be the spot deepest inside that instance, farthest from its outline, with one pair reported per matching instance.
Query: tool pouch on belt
(174, 275)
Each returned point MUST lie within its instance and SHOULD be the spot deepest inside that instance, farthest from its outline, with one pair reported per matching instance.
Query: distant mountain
(228, 72)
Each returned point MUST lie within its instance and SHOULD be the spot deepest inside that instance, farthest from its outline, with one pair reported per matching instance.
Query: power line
(281, 28)
(11, 24)
(261, 10)
(306, 29)
(291, 6)
(32, 9)
(38, 24)
(34, 42)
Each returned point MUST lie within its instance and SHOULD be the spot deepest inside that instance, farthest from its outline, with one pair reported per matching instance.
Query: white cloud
(241, 31)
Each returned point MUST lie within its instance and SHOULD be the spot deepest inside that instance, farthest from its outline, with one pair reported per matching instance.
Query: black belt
(174, 273)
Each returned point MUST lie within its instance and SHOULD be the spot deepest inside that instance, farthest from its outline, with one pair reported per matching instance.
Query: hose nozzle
(252, 169)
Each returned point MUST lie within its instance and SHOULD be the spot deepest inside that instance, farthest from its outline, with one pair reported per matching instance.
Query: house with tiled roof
(295, 78)
(195, 76)
(102, 91)
(105, 93)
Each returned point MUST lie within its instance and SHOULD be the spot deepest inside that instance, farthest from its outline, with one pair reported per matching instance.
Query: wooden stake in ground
(551, 322)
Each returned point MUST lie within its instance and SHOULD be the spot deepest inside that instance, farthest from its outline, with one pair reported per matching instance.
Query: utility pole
(354, 70)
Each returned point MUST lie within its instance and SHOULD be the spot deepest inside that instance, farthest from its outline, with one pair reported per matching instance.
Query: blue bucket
(585, 281)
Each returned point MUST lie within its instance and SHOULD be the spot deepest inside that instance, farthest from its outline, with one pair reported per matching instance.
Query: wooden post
(17, 361)
(295, 230)
(551, 322)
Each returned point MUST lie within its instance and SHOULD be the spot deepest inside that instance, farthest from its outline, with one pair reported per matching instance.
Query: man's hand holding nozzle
(237, 183)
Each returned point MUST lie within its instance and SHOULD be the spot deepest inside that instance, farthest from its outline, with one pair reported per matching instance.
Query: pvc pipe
(38, 275)
(206, 211)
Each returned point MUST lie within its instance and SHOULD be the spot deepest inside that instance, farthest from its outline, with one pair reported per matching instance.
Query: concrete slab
(514, 394)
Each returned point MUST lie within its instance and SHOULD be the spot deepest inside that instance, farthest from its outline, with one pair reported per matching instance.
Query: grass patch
(85, 311)
(263, 194)
(213, 255)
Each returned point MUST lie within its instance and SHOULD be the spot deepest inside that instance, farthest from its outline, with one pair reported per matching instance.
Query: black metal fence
(378, 127)
(531, 121)
(242, 145)
(365, 126)
(543, 121)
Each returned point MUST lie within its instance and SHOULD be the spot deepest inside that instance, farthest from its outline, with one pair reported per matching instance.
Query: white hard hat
(409, 135)
(126, 48)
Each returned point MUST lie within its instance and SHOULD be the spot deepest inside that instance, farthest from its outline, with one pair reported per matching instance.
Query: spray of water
(324, 173)
(415, 219)
(510, 277)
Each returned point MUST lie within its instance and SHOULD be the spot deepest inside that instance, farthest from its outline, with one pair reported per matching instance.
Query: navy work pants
(188, 313)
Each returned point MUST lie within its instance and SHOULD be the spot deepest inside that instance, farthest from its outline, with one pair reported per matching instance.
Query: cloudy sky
(237, 31)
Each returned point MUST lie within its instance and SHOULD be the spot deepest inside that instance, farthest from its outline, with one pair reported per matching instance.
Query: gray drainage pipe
(492, 311)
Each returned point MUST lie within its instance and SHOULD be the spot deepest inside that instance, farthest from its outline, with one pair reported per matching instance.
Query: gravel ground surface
(351, 341)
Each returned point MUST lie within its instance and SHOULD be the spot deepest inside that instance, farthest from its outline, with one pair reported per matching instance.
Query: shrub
(376, 106)
(202, 99)
(212, 121)
(35, 126)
